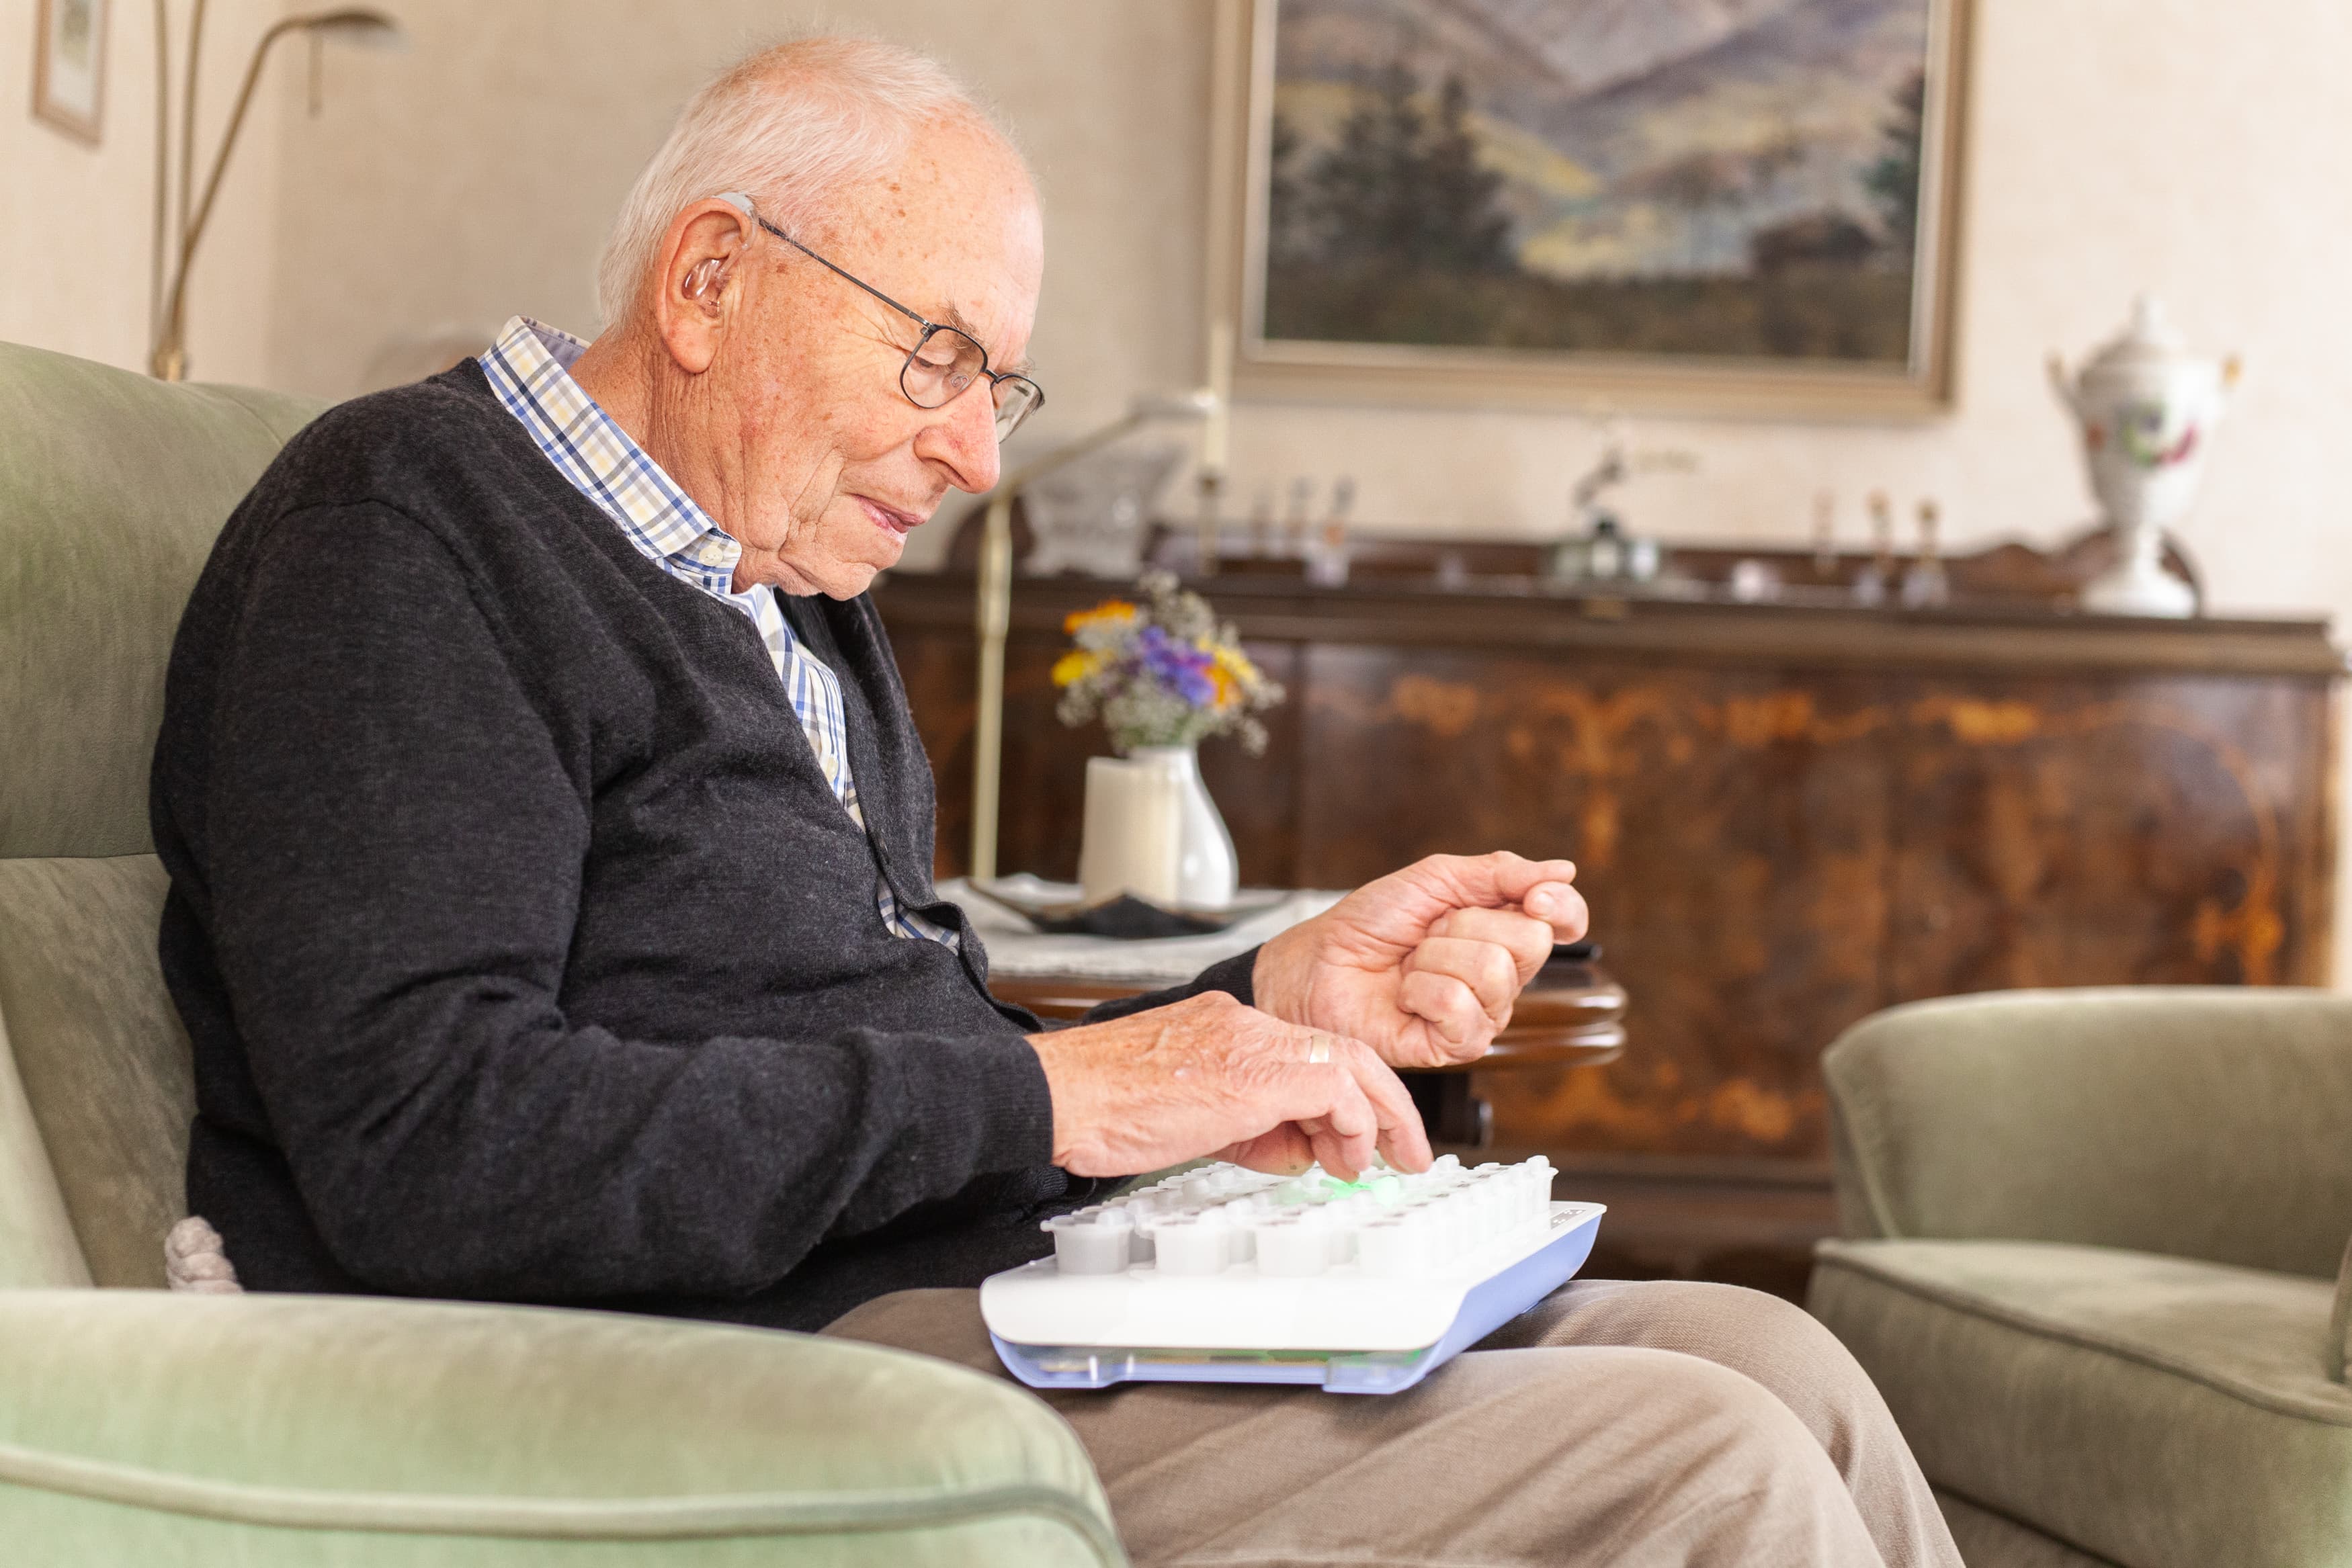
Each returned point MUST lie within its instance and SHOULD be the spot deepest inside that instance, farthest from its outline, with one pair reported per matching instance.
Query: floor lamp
(354, 24)
(995, 603)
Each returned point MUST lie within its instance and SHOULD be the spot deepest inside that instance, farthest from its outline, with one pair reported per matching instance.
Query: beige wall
(474, 175)
(2116, 144)
(2194, 149)
(74, 219)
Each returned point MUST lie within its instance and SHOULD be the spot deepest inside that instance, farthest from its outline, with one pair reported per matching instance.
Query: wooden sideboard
(1785, 819)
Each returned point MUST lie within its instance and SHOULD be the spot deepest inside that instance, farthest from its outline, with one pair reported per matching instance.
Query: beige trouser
(1630, 1424)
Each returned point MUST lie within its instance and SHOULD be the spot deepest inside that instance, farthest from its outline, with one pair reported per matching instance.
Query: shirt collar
(529, 371)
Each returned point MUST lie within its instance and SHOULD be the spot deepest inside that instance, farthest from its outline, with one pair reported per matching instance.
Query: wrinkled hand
(1210, 1076)
(1423, 965)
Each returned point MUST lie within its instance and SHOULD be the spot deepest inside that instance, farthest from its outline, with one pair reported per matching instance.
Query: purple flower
(1178, 667)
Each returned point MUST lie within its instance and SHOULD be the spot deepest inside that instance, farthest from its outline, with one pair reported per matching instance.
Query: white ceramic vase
(1152, 831)
(1207, 873)
(2146, 408)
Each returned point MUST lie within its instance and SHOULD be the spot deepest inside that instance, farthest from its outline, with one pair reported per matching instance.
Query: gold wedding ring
(1318, 1050)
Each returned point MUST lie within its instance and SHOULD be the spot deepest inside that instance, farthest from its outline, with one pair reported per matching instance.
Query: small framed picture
(69, 66)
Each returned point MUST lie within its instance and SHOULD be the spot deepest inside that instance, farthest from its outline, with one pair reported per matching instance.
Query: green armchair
(141, 1426)
(2096, 1260)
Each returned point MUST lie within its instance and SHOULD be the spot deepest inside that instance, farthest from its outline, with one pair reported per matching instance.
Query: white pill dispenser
(1218, 1274)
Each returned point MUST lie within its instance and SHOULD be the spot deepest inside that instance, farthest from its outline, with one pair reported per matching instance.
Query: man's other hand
(1424, 964)
(1211, 1076)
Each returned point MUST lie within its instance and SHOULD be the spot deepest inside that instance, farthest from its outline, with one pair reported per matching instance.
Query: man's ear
(698, 282)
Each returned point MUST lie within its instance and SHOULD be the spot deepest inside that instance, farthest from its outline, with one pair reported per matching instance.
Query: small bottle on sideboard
(1327, 557)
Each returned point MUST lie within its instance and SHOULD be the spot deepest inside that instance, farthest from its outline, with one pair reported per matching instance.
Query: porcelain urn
(2146, 408)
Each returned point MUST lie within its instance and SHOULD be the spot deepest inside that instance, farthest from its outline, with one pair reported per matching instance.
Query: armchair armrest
(2204, 1123)
(137, 1426)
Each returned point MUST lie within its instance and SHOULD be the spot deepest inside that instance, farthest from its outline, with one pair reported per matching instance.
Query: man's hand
(1423, 965)
(1210, 1076)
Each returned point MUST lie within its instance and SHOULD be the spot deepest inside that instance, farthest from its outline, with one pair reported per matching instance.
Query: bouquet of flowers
(1163, 672)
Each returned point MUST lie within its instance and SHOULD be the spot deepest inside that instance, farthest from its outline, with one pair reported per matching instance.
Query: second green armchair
(2096, 1261)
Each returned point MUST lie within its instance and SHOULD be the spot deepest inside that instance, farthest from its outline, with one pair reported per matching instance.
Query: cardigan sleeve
(1231, 976)
(392, 874)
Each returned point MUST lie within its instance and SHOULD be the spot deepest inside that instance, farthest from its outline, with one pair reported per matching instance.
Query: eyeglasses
(944, 362)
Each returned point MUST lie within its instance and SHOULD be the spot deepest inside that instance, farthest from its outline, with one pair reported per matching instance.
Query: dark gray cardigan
(526, 954)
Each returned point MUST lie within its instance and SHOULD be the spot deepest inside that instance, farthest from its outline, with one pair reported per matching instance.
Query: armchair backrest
(113, 488)
(2201, 1121)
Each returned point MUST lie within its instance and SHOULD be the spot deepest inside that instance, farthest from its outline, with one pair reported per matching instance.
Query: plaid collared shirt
(530, 372)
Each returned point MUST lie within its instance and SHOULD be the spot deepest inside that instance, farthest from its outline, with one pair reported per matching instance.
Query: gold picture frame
(70, 66)
(1325, 369)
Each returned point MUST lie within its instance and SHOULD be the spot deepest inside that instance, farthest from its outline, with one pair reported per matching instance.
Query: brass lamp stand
(168, 360)
(995, 603)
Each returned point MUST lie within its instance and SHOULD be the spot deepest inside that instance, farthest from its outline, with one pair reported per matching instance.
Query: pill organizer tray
(1221, 1275)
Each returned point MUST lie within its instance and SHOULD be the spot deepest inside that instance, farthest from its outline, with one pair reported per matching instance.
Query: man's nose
(965, 441)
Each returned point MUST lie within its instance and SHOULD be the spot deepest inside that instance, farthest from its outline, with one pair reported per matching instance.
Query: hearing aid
(707, 273)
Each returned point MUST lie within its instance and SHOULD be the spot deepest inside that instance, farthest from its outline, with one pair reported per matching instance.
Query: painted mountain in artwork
(1628, 138)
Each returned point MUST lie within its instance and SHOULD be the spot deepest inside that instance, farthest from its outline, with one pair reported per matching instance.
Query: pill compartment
(1489, 1204)
(1387, 1248)
(1386, 1225)
(1094, 1243)
(1192, 1246)
(1292, 1249)
(1444, 1230)
(1240, 1231)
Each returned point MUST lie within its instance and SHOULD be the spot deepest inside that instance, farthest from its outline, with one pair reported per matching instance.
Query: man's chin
(854, 576)
(849, 567)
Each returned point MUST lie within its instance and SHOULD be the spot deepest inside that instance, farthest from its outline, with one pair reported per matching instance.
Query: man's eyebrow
(952, 316)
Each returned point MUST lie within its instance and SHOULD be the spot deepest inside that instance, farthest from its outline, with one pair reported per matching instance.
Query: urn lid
(2149, 343)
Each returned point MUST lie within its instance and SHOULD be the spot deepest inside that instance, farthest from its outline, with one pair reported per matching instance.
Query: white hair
(792, 124)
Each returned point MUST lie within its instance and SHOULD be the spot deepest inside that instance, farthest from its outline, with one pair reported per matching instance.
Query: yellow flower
(1109, 610)
(1228, 689)
(1233, 662)
(1076, 665)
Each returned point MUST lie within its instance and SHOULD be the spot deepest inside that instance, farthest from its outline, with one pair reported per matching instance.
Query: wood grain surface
(1785, 819)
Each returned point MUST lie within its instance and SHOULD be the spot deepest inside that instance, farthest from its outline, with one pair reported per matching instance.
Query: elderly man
(551, 913)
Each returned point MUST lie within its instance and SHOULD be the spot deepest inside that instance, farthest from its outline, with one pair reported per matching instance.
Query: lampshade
(356, 25)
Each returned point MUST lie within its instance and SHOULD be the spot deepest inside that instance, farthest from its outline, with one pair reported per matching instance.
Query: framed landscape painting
(1702, 205)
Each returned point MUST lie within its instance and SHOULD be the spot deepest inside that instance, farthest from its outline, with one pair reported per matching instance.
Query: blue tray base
(1489, 1306)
